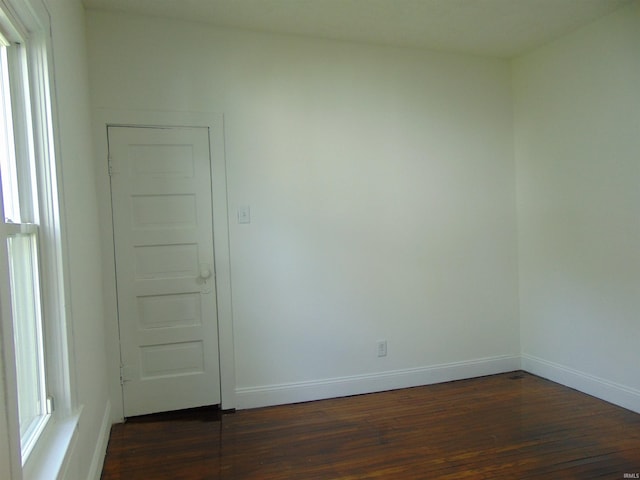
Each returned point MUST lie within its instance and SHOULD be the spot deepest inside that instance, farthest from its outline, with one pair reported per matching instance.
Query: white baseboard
(97, 461)
(253, 397)
(612, 392)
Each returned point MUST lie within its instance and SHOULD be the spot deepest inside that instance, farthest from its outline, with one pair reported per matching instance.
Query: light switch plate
(244, 214)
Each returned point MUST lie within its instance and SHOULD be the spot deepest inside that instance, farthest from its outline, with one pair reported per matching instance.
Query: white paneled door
(163, 235)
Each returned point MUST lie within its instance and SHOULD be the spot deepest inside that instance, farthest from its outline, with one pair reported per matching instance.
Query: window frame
(28, 22)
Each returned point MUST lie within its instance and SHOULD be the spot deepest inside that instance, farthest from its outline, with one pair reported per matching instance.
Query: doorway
(121, 372)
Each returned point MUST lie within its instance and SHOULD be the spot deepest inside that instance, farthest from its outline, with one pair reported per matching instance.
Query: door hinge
(124, 374)
(110, 163)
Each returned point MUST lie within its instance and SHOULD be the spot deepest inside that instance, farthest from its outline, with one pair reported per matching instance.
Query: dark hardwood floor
(509, 426)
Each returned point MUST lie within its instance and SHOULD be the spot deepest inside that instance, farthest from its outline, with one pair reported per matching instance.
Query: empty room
(298, 239)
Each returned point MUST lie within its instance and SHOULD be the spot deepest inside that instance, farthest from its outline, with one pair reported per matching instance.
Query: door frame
(103, 118)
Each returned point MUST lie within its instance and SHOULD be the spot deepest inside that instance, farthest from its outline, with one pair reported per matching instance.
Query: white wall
(578, 161)
(78, 183)
(381, 186)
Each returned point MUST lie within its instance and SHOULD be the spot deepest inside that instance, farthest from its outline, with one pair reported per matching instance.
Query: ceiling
(503, 28)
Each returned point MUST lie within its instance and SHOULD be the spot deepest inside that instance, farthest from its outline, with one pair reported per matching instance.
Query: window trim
(30, 20)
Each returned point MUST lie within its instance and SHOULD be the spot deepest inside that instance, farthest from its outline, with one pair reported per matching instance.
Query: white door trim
(214, 121)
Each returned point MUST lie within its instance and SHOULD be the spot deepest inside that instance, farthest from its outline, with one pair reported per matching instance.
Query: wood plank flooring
(508, 426)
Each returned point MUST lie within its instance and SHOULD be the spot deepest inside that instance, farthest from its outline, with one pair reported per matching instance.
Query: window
(30, 240)
(21, 231)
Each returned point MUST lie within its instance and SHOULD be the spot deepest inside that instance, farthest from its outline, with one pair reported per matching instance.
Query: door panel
(162, 216)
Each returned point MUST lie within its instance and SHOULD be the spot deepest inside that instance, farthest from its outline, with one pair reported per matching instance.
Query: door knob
(205, 271)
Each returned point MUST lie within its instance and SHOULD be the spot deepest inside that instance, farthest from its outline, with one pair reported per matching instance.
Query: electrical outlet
(382, 348)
